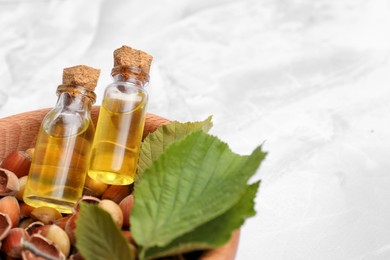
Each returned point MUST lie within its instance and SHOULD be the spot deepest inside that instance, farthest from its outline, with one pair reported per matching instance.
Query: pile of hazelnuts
(43, 232)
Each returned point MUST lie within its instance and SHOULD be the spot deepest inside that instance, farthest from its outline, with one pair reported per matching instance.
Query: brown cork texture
(81, 75)
(129, 57)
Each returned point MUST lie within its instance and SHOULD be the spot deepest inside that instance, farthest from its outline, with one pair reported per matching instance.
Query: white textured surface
(310, 79)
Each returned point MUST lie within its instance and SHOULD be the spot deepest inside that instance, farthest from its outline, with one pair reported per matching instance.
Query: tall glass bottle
(60, 162)
(121, 120)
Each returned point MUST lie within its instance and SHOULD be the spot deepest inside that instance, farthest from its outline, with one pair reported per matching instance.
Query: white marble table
(309, 79)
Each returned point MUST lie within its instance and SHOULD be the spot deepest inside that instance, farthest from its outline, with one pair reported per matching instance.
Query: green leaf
(221, 227)
(98, 237)
(158, 141)
(197, 179)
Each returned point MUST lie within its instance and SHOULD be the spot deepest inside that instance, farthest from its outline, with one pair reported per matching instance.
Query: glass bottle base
(112, 178)
(60, 205)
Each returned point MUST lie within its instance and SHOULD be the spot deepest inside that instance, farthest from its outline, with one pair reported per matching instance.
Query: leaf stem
(141, 254)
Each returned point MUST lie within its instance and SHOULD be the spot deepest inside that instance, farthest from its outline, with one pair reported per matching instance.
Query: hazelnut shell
(9, 183)
(17, 162)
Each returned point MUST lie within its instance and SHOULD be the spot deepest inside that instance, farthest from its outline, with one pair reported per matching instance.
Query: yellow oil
(117, 142)
(59, 168)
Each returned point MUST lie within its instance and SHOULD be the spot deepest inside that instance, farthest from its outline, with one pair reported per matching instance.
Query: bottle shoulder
(125, 87)
(125, 92)
(124, 97)
(62, 121)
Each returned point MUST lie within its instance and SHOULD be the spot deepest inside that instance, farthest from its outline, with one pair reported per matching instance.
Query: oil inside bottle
(60, 163)
(115, 151)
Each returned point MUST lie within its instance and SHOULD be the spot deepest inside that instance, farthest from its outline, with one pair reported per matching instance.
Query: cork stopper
(137, 61)
(81, 76)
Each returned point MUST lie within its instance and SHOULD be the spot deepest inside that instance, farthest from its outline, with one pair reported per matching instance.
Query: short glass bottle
(62, 151)
(120, 126)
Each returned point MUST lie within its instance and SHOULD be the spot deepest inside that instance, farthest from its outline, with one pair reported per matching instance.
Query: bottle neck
(129, 74)
(76, 98)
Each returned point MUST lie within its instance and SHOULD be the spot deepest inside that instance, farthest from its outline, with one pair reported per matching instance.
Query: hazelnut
(39, 246)
(32, 226)
(61, 222)
(12, 244)
(5, 225)
(17, 162)
(126, 205)
(24, 223)
(94, 188)
(9, 183)
(117, 193)
(22, 186)
(114, 210)
(25, 210)
(45, 214)
(87, 199)
(70, 228)
(10, 206)
(57, 235)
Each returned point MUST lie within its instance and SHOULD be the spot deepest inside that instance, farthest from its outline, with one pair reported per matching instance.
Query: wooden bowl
(19, 132)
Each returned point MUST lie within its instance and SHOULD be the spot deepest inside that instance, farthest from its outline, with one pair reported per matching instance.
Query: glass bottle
(60, 162)
(121, 120)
